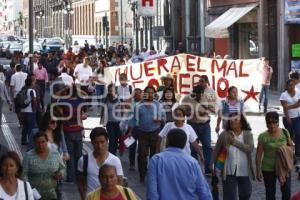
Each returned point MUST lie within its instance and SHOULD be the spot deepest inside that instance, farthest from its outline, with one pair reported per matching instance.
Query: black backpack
(21, 98)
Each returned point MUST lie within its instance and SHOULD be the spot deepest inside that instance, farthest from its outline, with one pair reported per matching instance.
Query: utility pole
(121, 5)
(150, 30)
(202, 25)
(146, 31)
(135, 24)
(157, 23)
(30, 18)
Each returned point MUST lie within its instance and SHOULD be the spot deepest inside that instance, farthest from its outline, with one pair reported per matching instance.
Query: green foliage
(20, 19)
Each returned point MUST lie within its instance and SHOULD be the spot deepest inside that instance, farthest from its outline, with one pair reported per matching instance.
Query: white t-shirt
(84, 74)
(18, 81)
(124, 92)
(20, 194)
(93, 169)
(67, 79)
(295, 112)
(29, 98)
(190, 133)
(237, 161)
(298, 86)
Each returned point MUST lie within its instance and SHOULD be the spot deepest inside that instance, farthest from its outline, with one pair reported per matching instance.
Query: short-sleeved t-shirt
(93, 169)
(270, 147)
(31, 93)
(285, 96)
(190, 133)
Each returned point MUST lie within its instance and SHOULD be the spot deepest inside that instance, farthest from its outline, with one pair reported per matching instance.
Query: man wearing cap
(197, 110)
(168, 81)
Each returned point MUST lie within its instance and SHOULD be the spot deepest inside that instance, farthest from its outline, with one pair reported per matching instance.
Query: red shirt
(119, 197)
(296, 196)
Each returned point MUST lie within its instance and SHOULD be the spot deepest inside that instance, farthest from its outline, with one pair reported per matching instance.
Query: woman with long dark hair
(168, 101)
(232, 104)
(236, 143)
(55, 134)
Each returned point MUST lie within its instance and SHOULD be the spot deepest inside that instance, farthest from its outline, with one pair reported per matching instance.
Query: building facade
(259, 32)
(11, 12)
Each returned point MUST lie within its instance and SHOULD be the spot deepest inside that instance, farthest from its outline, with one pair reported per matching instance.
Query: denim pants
(29, 124)
(264, 93)
(42, 86)
(100, 91)
(146, 141)
(1, 105)
(204, 135)
(294, 130)
(232, 183)
(113, 130)
(270, 185)
(132, 148)
(74, 145)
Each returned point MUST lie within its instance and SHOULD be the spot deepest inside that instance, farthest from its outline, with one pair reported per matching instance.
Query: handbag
(221, 158)
(286, 134)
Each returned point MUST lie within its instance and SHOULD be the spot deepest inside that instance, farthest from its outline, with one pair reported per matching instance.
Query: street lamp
(134, 5)
(40, 15)
(68, 11)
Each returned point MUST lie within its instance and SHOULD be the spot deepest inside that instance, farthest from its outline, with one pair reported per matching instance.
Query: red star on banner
(250, 94)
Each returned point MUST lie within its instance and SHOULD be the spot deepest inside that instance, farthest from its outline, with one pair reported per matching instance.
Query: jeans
(113, 130)
(232, 183)
(29, 124)
(74, 145)
(132, 148)
(100, 91)
(294, 130)
(270, 185)
(42, 86)
(204, 135)
(146, 141)
(264, 93)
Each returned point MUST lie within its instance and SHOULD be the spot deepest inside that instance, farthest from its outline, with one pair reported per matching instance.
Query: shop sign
(147, 8)
(295, 50)
(292, 11)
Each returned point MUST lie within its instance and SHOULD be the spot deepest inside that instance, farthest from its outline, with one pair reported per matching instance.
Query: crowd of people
(171, 137)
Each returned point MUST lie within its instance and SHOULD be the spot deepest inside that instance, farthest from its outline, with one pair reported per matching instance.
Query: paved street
(10, 134)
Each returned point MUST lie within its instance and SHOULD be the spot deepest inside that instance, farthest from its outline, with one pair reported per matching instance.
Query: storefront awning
(219, 27)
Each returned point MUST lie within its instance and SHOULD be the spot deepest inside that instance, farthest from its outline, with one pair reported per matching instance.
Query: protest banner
(186, 69)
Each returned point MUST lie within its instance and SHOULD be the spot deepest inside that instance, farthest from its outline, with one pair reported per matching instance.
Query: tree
(20, 19)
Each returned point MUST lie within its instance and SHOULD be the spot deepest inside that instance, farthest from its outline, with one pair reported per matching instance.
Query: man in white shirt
(124, 90)
(66, 78)
(17, 80)
(88, 167)
(83, 74)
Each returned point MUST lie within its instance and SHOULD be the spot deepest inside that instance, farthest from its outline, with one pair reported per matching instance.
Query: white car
(36, 47)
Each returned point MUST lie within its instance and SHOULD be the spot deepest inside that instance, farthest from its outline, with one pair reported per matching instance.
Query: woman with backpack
(232, 104)
(11, 184)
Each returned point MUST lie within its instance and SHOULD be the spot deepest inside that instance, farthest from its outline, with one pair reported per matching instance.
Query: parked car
(7, 38)
(36, 47)
(12, 48)
(3, 46)
(55, 44)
